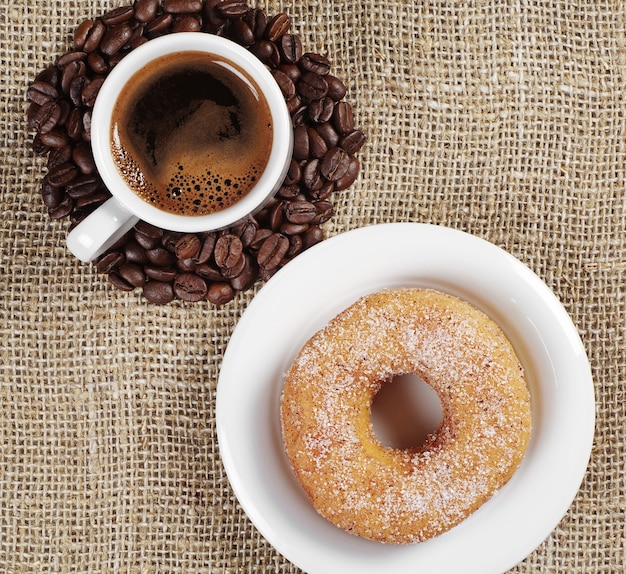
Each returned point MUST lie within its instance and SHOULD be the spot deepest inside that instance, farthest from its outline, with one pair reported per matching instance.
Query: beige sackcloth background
(504, 119)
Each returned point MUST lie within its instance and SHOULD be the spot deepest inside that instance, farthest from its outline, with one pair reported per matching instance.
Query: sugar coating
(405, 496)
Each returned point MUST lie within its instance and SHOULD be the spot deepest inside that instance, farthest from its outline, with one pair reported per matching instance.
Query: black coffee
(191, 133)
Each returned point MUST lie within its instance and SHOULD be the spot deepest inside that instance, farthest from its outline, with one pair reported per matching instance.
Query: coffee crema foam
(191, 133)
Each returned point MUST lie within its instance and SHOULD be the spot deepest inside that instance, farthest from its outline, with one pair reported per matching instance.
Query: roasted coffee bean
(232, 9)
(236, 269)
(49, 75)
(61, 175)
(146, 241)
(169, 239)
(329, 133)
(321, 110)
(276, 216)
(90, 92)
(324, 210)
(213, 19)
(158, 292)
(71, 57)
(294, 173)
(287, 87)
(51, 196)
(277, 27)
(159, 25)
(97, 63)
(81, 33)
(66, 107)
(41, 92)
(245, 230)
(247, 277)
(83, 158)
(134, 252)
(94, 36)
(352, 142)
(93, 200)
(109, 261)
(291, 71)
(121, 242)
(146, 10)
(312, 236)
(187, 246)
(87, 125)
(119, 282)
(227, 251)
(291, 229)
(149, 230)
(293, 105)
(39, 148)
(220, 293)
(300, 212)
(46, 117)
(31, 114)
(350, 176)
(316, 63)
(160, 256)
(187, 23)
(137, 41)
(295, 246)
(74, 125)
(300, 143)
(190, 287)
(59, 155)
(206, 248)
(209, 272)
(267, 52)
(311, 175)
(266, 274)
(242, 33)
(312, 86)
(115, 38)
(83, 185)
(299, 115)
(335, 164)
(256, 19)
(118, 15)
(317, 144)
(272, 251)
(63, 209)
(160, 273)
(133, 274)
(288, 191)
(182, 6)
(76, 89)
(323, 192)
(290, 48)
(185, 265)
(336, 88)
(70, 73)
(259, 237)
(343, 118)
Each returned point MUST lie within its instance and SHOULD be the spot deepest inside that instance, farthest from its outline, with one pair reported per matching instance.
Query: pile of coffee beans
(209, 266)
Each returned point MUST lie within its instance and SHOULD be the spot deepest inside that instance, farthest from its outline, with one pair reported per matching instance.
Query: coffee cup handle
(100, 229)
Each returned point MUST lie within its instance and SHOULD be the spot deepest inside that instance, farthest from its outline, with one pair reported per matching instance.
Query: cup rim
(280, 154)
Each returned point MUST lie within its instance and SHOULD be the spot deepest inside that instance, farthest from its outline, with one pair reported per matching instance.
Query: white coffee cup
(109, 222)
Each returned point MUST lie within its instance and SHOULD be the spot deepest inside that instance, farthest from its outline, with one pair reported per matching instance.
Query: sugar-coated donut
(405, 496)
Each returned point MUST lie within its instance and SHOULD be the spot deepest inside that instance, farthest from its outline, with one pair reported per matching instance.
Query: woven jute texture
(506, 119)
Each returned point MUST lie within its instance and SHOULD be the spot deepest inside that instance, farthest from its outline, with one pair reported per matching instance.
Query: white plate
(312, 289)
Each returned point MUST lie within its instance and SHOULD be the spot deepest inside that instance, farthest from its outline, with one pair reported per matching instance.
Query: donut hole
(405, 411)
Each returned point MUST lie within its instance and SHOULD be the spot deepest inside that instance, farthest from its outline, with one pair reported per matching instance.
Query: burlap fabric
(504, 119)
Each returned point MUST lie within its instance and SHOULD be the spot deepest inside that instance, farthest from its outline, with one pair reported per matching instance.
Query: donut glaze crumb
(412, 495)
